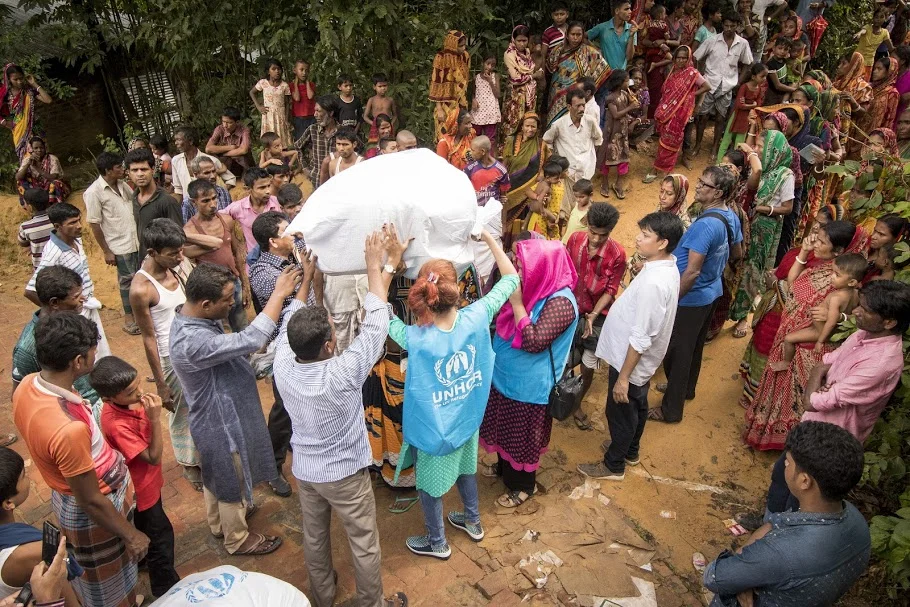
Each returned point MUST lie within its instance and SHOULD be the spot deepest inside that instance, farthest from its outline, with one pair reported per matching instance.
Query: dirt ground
(697, 472)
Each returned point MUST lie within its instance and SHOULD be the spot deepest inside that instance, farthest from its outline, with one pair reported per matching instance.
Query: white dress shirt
(642, 317)
(180, 173)
(722, 62)
(577, 144)
(593, 110)
(111, 207)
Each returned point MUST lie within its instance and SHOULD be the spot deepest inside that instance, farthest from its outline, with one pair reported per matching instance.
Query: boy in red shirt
(303, 92)
(131, 424)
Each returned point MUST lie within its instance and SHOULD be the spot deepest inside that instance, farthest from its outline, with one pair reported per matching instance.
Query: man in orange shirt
(92, 491)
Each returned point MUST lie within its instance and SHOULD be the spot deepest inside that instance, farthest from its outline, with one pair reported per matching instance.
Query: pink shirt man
(863, 375)
(242, 211)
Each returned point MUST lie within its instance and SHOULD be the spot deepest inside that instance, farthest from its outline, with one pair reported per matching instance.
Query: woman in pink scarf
(534, 334)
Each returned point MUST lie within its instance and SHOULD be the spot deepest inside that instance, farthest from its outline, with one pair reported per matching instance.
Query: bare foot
(686, 162)
(779, 366)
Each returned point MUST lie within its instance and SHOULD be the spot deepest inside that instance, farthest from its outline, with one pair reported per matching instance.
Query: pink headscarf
(545, 268)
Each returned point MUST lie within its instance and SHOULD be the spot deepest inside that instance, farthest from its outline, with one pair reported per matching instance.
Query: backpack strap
(723, 220)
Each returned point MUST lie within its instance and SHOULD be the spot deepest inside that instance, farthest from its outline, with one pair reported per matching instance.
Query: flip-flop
(399, 599)
(604, 194)
(583, 423)
(649, 178)
(267, 544)
(740, 333)
(197, 484)
(402, 504)
(656, 414)
(8, 439)
(620, 195)
(132, 329)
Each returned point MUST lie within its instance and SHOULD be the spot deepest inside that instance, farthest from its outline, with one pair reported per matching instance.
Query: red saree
(677, 103)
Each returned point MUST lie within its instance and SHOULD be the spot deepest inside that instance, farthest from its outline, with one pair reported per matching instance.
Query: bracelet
(843, 317)
(800, 261)
(770, 211)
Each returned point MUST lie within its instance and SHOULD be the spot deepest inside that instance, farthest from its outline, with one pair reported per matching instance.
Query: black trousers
(626, 422)
(682, 362)
(279, 428)
(160, 558)
(516, 480)
(779, 497)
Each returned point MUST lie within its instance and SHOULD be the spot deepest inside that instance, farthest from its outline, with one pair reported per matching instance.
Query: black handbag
(565, 397)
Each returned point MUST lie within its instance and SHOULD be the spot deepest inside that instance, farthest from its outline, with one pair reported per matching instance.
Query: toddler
(849, 270)
(779, 78)
(545, 207)
(578, 218)
(273, 152)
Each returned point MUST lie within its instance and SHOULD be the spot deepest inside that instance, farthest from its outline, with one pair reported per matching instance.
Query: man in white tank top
(155, 294)
(345, 155)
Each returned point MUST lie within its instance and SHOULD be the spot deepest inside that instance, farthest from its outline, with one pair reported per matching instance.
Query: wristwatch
(388, 269)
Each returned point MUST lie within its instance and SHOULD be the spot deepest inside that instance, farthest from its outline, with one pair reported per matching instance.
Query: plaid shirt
(264, 274)
(189, 209)
(314, 146)
(598, 274)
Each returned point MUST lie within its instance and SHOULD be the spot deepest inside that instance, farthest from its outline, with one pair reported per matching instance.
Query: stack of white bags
(424, 196)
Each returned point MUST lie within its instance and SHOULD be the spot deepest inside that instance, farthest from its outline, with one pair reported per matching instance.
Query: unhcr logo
(456, 373)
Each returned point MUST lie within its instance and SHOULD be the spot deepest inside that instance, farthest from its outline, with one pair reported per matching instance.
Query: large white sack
(422, 194)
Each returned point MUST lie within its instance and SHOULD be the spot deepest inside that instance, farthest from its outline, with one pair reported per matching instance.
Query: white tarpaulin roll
(422, 194)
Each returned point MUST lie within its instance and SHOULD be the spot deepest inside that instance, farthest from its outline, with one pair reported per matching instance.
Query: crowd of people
(395, 377)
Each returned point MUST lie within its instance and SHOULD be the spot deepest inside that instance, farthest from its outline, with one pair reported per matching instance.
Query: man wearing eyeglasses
(701, 256)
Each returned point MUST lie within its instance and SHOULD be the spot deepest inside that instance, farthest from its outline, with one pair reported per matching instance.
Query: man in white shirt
(723, 56)
(575, 136)
(185, 139)
(634, 340)
(109, 212)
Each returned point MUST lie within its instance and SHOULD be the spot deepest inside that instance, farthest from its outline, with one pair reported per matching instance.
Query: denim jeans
(432, 508)
(237, 316)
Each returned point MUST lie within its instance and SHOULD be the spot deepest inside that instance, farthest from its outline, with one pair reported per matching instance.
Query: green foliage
(845, 19)
(215, 52)
(886, 481)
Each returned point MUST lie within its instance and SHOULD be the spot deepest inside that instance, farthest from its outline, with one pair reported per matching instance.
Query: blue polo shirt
(707, 236)
(612, 47)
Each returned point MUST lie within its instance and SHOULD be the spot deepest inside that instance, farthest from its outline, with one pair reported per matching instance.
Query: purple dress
(903, 87)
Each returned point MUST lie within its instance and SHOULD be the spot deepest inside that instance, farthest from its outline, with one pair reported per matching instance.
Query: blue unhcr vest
(448, 382)
(526, 376)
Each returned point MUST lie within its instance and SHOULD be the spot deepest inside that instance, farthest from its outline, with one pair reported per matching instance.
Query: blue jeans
(237, 316)
(432, 508)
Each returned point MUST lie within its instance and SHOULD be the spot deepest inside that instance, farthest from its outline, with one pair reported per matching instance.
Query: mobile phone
(25, 595)
(50, 541)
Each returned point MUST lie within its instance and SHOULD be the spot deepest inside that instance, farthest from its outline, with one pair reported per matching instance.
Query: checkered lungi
(110, 576)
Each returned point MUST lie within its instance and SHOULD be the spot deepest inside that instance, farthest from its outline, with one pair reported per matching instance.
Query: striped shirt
(58, 253)
(34, 234)
(325, 399)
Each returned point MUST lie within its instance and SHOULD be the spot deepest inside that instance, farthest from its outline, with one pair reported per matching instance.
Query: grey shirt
(225, 413)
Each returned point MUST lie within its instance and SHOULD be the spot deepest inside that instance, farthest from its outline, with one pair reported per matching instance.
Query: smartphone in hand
(50, 541)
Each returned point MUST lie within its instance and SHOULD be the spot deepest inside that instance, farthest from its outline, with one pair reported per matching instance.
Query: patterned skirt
(383, 398)
(185, 451)
(519, 432)
(110, 576)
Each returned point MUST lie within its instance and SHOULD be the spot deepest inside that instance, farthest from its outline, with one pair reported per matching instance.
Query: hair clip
(433, 277)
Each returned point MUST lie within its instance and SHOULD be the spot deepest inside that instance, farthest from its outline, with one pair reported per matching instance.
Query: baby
(849, 270)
